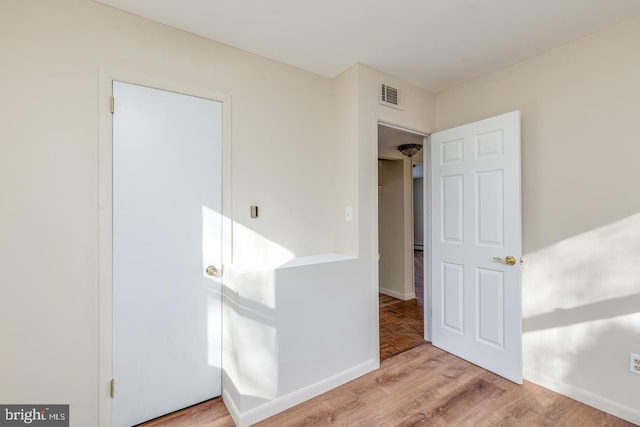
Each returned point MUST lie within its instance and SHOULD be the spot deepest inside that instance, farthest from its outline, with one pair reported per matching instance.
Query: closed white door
(166, 232)
(477, 243)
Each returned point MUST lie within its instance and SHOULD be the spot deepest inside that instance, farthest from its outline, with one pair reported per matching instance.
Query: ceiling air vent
(390, 96)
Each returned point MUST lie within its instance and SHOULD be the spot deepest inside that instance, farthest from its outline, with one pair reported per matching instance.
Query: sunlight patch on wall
(581, 311)
(592, 356)
(592, 267)
(253, 252)
(255, 258)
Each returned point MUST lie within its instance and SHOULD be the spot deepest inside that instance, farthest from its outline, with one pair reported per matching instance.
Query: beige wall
(346, 167)
(395, 226)
(418, 114)
(303, 148)
(580, 106)
(391, 225)
(52, 56)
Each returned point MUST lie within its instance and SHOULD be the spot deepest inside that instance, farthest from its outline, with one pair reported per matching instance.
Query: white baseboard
(281, 403)
(588, 398)
(396, 294)
(231, 407)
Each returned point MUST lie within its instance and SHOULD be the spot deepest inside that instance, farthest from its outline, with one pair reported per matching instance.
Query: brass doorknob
(508, 260)
(211, 271)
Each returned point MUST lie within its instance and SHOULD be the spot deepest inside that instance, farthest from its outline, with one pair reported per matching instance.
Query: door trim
(105, 209)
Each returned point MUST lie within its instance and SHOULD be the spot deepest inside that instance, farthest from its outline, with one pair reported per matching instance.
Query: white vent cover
(390, 96)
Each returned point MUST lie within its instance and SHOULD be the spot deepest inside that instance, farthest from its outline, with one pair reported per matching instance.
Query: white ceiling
(389, 138)
(434, 44)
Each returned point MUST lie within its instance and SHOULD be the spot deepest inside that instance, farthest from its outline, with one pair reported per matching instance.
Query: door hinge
(112, 388)
(112, 104)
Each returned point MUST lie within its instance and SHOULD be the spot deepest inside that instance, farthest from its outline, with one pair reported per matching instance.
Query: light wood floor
(423, 386)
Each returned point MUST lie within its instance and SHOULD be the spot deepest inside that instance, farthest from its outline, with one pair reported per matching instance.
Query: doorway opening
(473, 298)
(401, 217)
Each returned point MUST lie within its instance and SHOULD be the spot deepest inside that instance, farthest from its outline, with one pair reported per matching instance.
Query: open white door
(167, 201)
(477, 243)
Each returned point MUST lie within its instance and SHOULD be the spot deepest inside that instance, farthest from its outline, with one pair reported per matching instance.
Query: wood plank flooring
(417, 384)
(423, 386)
(211, 413)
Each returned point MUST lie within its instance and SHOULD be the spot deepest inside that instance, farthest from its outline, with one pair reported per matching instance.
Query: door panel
(452, 209)
(489, 231)
(452, 297)
(490, 320)
(476, 218)
(166, 231)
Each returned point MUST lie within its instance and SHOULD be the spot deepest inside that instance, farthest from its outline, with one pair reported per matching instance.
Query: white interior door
(476, 225)
(166, 232)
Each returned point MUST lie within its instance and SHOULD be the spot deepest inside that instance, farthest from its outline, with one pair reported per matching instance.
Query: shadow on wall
(581, 311)
(250, 313)
(253, 327)
(607, 309)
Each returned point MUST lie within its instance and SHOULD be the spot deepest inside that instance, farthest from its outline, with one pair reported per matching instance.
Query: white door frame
(105, 208)
(393, 121)
(426, 194)
(425, 131)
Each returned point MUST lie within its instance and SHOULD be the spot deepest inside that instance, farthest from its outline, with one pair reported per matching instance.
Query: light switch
(348, 214)
(254, 212)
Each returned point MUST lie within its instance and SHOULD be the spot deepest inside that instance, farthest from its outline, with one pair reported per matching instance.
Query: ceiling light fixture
(409, 150)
